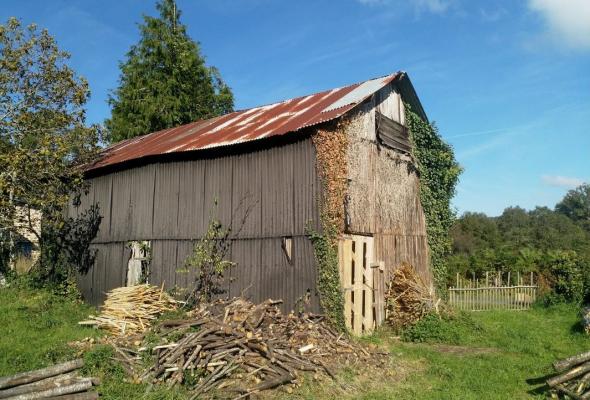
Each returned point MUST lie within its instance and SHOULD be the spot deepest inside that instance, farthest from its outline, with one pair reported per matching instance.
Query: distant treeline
(555, 244)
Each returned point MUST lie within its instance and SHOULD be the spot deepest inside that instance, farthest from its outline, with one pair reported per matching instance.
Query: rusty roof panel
(246, 125)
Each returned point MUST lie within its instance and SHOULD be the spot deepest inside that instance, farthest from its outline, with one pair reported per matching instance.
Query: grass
(491, 355)
(500, 355)
(487, 355)
(35, 327)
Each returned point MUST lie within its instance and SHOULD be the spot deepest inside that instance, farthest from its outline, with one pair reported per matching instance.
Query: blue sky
(507, 82)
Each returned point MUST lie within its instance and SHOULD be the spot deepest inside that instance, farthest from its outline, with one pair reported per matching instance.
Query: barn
(273, 173)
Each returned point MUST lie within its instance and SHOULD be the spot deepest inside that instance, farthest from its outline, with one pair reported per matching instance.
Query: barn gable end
(383, 187)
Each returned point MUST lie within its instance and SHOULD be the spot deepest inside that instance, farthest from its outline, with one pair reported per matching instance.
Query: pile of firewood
(408, 298)
(132, 309)
(573, 379)
(56, 382)
(242, 348)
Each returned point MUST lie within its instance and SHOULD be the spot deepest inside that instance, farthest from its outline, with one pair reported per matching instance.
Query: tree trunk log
(76, 396)
(571, 374)
(572, 361)
(568, 392)
(60, 391)
(273, 383)
(33, 376)
(44, 384)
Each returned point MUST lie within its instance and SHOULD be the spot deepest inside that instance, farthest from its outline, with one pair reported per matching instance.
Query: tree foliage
(164, 82)
(576, 205)
(549, 243)
(43, 136)
(439, 174)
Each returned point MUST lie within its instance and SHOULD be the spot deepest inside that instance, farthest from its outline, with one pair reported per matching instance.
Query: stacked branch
(408, 297)
(132, 309)
(243, 348)
(56, 382)
(573, 378)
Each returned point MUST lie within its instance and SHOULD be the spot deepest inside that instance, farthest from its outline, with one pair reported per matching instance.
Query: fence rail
(473, 295)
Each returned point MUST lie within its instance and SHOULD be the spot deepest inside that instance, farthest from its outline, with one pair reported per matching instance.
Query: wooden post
(379, 292)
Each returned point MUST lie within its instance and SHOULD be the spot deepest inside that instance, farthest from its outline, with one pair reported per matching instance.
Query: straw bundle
(129, 310)
(408, 297)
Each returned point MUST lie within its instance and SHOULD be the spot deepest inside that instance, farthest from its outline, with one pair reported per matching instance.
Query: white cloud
(433, 6)
(562, 181)
(568, 21)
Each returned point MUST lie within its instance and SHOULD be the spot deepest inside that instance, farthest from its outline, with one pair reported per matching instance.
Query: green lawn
(522, 345)
(487, 355)
(35, 327)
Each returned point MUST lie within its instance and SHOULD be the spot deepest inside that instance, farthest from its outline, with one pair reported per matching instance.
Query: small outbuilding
(274, 174)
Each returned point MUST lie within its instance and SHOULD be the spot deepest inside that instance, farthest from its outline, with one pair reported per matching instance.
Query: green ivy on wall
(439, 173)
(326, 252)
(331, 146)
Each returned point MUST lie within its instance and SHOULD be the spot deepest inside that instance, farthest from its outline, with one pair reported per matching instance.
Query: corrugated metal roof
(246, 125)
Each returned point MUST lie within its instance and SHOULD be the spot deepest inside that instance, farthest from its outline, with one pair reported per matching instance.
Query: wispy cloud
(432, 6)
(492, 15)
(484, 132)
(561, 181)
(567, 21)
(483, 147)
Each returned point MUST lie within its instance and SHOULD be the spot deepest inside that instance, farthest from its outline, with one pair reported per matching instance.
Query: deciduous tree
(576, 205)
(43, 135)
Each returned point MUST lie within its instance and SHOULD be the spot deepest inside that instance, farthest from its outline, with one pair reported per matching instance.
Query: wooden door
(357, 277)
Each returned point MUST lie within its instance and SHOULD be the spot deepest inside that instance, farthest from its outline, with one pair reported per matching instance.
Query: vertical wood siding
(169, 203)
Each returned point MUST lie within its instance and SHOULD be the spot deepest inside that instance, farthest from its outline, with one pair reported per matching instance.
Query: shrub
(209, 263)
(568, 277)
(449, 328)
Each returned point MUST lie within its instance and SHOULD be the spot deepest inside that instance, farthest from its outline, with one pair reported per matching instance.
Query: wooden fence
(495, 292)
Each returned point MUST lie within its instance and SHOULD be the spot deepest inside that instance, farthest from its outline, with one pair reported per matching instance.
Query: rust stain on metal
(246, 125)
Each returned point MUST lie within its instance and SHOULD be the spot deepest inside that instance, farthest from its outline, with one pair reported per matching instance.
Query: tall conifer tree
(164, 81)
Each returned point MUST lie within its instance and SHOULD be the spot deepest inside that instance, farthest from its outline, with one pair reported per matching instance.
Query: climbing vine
(439, 174)
(331, 158)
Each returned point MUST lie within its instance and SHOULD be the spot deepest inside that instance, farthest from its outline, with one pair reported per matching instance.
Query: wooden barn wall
(383, 191)
(264, 195)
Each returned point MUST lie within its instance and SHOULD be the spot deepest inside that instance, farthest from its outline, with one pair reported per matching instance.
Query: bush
(441, 329)
(567, 275)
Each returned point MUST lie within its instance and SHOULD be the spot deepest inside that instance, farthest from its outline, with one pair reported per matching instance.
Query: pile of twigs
(573, 378)
(408, 297)
(239, 347)
(56, 382)
(132, 309)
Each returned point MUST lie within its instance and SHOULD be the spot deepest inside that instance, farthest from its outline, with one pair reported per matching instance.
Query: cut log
(81, 386)
(568, 392)
(569, 375)
(273, 383)
(33, 376)
(572, 361)
(44, 384)
(76, 396)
